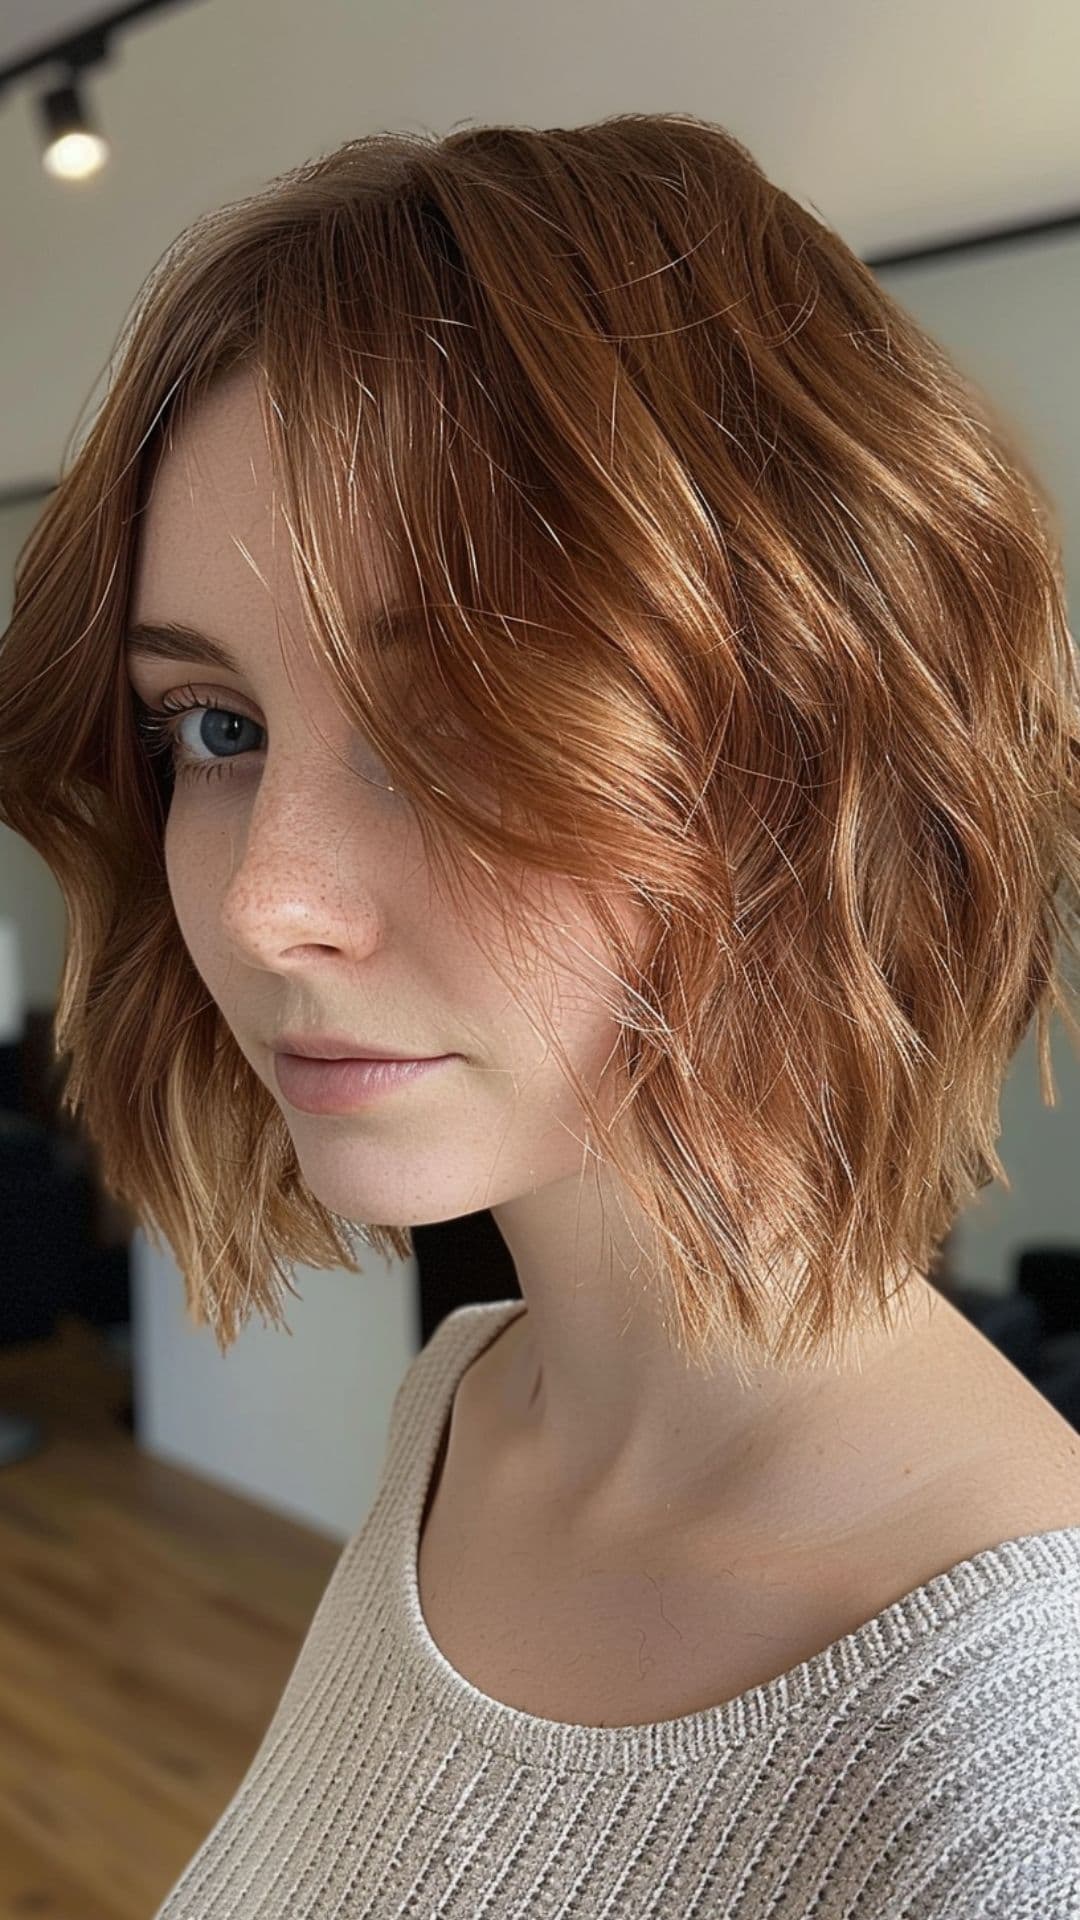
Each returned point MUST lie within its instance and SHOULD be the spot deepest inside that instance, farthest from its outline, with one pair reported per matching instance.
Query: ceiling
(901, 125)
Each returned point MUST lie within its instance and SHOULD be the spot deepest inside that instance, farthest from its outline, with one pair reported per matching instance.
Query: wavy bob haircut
(731, 600)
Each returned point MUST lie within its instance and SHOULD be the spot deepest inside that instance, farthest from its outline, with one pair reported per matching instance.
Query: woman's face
(302, 892)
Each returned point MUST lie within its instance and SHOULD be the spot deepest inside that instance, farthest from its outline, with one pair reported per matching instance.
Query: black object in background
(11, 1077)
(1051, 1277)
(461, 1262)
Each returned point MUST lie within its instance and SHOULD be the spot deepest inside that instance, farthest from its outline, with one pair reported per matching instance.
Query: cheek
(191, 869)
(179, 864)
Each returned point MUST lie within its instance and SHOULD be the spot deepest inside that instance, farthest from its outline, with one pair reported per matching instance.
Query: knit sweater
(923, 1767)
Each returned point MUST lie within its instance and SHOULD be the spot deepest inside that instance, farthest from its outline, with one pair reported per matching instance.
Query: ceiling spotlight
(73, 148)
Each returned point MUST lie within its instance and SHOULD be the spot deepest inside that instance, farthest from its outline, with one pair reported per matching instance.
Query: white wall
(297, 1420)
(1008, 317)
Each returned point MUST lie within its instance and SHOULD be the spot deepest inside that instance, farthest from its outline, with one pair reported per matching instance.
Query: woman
(531, 600)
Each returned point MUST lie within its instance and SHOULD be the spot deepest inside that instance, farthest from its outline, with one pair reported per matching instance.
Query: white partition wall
(295, 1420)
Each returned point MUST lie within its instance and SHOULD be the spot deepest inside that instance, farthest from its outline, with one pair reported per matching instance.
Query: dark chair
(46, 1206)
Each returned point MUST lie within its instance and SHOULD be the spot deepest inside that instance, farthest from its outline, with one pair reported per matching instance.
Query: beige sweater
(924, 1767)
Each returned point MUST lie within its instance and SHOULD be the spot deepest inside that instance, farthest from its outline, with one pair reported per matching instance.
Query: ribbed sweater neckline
(1027, 1572)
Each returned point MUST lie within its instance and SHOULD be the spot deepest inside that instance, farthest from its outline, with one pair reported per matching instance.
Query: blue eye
(158, 730)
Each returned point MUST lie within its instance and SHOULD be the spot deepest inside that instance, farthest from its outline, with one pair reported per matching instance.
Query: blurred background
(169, 1517)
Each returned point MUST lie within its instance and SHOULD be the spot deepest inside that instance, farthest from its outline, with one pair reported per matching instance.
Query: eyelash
(157, 728)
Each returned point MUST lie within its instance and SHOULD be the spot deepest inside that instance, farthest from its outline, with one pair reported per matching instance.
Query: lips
(343, 1086)
(333, 1046)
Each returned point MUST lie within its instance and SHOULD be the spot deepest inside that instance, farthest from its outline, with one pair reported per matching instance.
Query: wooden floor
(148, 1623)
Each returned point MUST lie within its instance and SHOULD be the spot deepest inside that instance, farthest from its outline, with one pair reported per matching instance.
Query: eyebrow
(171, 640)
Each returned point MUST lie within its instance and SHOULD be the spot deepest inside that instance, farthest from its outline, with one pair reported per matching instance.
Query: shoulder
(1012, 1860)
(458, 1339)
(975, 1802)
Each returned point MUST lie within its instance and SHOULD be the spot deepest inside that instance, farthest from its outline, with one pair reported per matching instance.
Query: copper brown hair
(735, 599)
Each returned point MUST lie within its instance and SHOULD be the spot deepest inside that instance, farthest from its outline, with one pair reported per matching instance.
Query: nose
(315, 868)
